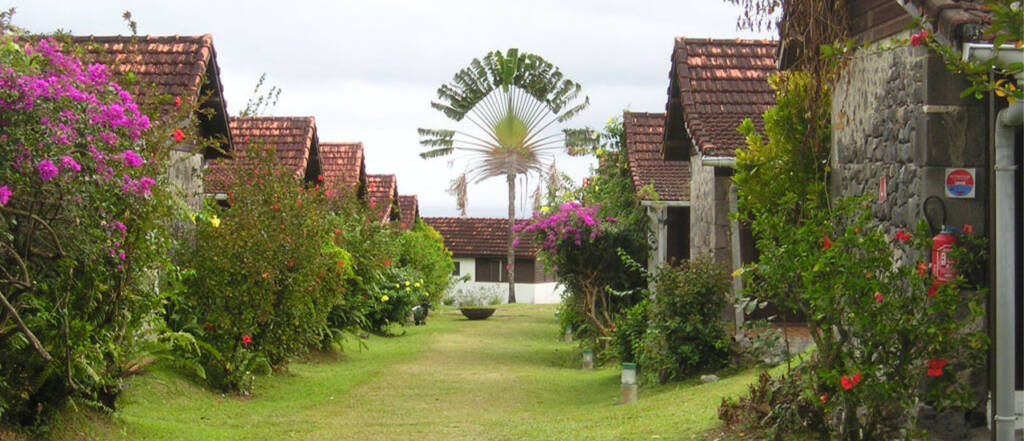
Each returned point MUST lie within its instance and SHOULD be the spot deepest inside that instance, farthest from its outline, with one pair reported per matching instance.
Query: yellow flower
(407, 289)
(398, 285)
(384, 298)
(215, 221)
(600, 152)
(192, 216)
(406, 283)
(1006, 91)
(417, 284)
(737, 272)
(545, 209)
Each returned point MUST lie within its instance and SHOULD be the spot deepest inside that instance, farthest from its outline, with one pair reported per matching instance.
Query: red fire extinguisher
(942, 263)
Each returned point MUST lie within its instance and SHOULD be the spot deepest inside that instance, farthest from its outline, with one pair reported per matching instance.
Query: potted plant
(475, 302)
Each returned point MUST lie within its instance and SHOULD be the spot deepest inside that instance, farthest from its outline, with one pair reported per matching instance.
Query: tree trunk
(511, 237)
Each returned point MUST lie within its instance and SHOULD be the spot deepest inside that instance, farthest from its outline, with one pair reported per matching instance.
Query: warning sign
(960, 182)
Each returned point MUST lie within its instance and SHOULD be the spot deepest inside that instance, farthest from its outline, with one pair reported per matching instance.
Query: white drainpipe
(1005, 417)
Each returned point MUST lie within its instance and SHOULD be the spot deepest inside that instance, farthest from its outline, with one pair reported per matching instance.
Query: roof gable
(478, 237)
(344, 167)
(409, 207)
(715, 85)
(644, 133)
(294, 140)
(382, 191)
(180, 66)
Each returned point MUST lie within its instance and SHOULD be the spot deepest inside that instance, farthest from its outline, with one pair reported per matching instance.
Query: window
(489, 269)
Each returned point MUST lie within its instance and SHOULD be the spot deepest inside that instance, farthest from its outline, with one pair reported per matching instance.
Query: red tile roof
(382, 191)
(344, 165)
(294, 140)
(644, 139)
(184, 66)
(409, 207)
(478, 237)
(721, 82)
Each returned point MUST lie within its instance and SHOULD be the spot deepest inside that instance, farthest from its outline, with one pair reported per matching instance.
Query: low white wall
(541, 293)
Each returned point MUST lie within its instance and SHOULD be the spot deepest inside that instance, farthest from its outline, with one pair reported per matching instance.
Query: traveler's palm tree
(513, 104)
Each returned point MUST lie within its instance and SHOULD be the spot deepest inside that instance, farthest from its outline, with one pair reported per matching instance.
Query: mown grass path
(505, 378)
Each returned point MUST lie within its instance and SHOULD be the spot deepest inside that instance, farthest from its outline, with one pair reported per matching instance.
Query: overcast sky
(368, 70)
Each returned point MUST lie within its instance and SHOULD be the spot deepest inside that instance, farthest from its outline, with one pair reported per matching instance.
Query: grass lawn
(505, 378)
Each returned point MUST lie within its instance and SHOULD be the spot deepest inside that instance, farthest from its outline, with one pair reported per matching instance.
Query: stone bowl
(476, 313)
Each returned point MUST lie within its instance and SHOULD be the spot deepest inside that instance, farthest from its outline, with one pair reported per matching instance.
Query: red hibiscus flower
(246, 339)
(935, 366)
(387, 262)
(276, 207)
(178, 135)
(968, 229)
(845, 383)
(934, 289)
(915, 40)
(826, 243)
(337, 232)
(878, 297)
(824, 397)
(320, 177)
(856, 378)
(903, 236)
(177, 101)
(611, 326)
(341, 263)
(922, 268)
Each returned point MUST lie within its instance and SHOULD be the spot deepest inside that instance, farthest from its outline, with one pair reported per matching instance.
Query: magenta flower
(47, 170)
(132, 159)
(5, 195)
(69, 162)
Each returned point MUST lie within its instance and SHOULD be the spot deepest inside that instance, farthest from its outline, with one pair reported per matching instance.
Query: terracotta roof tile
(644, 138)
(409, 207)
(344, 165)
(294, 140)
(478, 237)
(722, 82)
(382, 191)
(175, 64)
(183, 66)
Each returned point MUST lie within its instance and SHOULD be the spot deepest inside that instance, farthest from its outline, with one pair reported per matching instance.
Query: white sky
(368, 70)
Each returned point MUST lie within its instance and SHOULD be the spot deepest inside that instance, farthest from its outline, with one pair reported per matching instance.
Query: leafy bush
(266, 273)
(422, 251)
(393, 298)
(83, 228)
(628, 333)
(684, 335)
(776, 406)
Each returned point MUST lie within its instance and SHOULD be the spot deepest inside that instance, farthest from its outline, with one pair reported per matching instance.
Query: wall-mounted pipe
(1006, 270)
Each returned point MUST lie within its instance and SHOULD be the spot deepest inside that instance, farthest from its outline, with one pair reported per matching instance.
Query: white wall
(540, 293)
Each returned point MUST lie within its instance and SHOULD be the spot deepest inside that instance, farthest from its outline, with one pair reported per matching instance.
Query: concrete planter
(477, 313)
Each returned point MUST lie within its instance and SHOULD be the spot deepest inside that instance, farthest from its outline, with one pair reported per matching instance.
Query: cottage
(479, 250)
(661, 185)
(293, 138)
(409, 207)
(344, 168)
(169, 69)
(901, 131)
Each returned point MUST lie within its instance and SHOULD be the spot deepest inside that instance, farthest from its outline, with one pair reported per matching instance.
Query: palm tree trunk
(511, 250)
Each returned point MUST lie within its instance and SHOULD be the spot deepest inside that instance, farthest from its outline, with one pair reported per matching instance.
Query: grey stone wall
(898, 114)
(185, 172)
(709, 213)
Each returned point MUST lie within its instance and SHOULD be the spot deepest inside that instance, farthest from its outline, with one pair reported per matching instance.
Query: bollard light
(628, 383)
(588, 359)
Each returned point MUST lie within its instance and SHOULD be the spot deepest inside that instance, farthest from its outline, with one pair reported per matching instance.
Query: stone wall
(897, 113)
(709, 213)
(185, 172)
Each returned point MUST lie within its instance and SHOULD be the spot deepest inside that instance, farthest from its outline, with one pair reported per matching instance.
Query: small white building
(478, 247)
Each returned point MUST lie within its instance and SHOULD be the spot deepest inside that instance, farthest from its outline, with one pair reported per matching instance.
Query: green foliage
(422, 251)
(873, 314)
(265, 271)
(793, 160)
(628, 334)
(684, 333)
(778, 407)
(393, 297)
(83, 227)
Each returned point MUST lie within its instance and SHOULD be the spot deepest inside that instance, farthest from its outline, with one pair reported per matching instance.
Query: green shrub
(629, 331)
(685, 334)
(422, 251)
(265, 271)
(474, 295)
